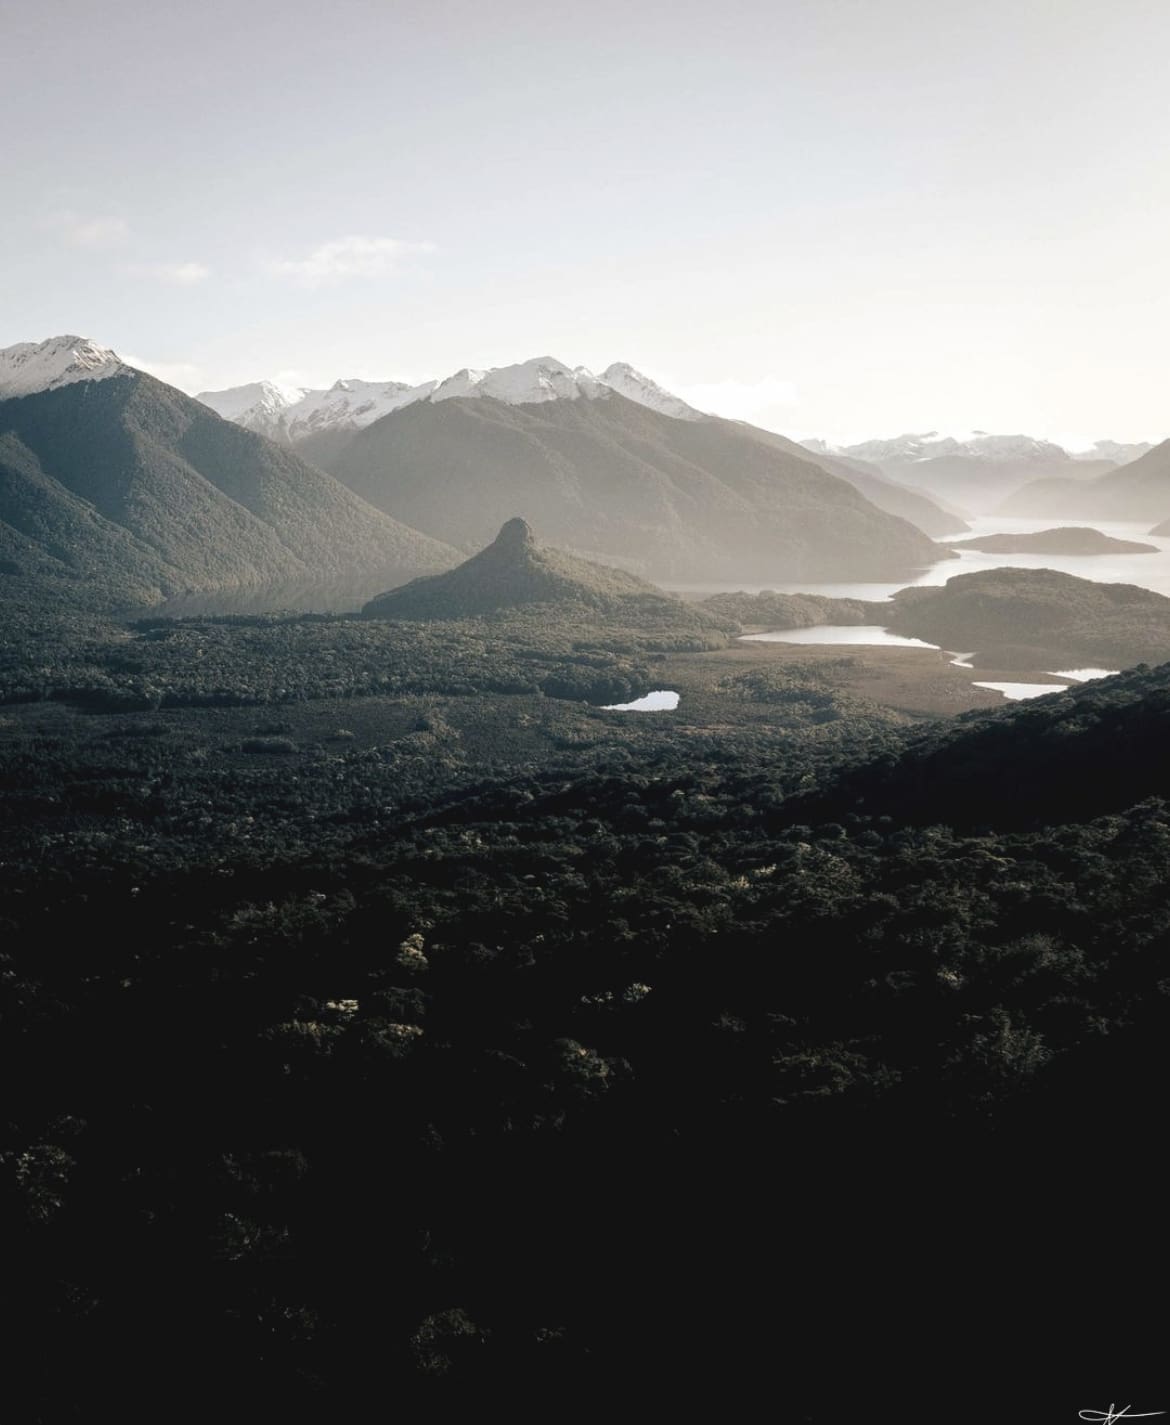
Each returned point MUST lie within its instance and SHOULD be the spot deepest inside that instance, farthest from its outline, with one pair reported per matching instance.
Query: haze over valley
(584, 692)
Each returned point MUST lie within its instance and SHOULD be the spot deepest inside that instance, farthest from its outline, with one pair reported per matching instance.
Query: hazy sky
(835, 217)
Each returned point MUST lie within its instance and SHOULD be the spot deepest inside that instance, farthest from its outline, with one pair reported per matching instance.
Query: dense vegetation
(1031, 619)
(1038, 618)
(436, 1034)
(125, 491)
(1065, 540)
(514, 572)
(772, 610)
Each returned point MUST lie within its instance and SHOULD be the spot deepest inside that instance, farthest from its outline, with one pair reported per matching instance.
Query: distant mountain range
(611, 465)
(299, 413)
(1137, 491)
(113, 482)
(120, 489)
(980, 471)
(684, 500)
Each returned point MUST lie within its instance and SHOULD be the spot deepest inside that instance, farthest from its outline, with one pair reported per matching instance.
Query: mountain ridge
(679, 500)
(121, 489)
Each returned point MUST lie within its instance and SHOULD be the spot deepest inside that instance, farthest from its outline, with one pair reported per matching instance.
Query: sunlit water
(1015, 692)
(658, 701)
(1149, 571)
(862, 633)
(1084, 675)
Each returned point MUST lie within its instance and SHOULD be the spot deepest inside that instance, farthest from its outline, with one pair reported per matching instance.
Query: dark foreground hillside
(341, 1069)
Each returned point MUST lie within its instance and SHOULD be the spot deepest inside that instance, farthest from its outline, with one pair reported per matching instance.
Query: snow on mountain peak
(543, 378)
(974, 445)
(352, 403)
(251, 403)
(626, 381)
(31, 366)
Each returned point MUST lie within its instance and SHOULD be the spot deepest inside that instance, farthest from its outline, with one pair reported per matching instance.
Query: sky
(836, 218)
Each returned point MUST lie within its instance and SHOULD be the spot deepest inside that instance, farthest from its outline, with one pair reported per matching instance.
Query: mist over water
(1148, 571)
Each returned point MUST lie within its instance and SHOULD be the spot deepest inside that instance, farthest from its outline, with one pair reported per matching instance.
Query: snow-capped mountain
(293, 416)
(259, 406)
(533, 382)
(32, 366)
(626, 381)
(292, 413)
(978, 470)
(1120, 451)
(979, 445)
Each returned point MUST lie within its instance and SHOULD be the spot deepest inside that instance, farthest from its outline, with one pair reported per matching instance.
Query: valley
(466, 891)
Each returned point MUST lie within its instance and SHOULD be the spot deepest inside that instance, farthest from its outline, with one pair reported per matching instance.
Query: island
(1068, 539)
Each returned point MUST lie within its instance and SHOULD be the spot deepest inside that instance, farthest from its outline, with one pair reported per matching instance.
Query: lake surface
(1148, 571)
(1015, 692)
(859, 633)
(1084, 675)
(658, 701)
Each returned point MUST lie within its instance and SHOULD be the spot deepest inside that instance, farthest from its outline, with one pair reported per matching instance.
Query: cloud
(184, 274)
(740, 400)
(89, 230)
(347, 257)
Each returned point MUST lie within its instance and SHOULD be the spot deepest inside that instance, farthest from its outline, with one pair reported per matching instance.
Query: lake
(661, 700)
(855, 633)
(1014, 692)
(1149, 571)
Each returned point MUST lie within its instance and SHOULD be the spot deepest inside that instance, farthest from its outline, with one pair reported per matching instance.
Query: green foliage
(124, 492)
(492, 1043)
(1038, 618)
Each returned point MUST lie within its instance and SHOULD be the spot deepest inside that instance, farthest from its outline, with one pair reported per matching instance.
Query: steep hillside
(138, 492)
(516, 573)
(1093, 750)
(894, 497)
(684, 500)
(1137, 491)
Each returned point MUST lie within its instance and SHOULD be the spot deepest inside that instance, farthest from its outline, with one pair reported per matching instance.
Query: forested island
(1065, 540)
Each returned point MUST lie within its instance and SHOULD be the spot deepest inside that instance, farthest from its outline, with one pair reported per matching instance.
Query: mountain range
(114, 482)
(120, 489)
(610, 465)
(981, 470)
(679, 500)
(1139, 490)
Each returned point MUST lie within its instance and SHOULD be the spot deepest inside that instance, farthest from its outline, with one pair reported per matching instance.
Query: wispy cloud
(89, 229)
(347, 257)
(183, 274)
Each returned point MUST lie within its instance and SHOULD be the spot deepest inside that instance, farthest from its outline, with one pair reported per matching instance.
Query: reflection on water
(1148, 571)
(658, 701)
(1015, 692)
(867, 633)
